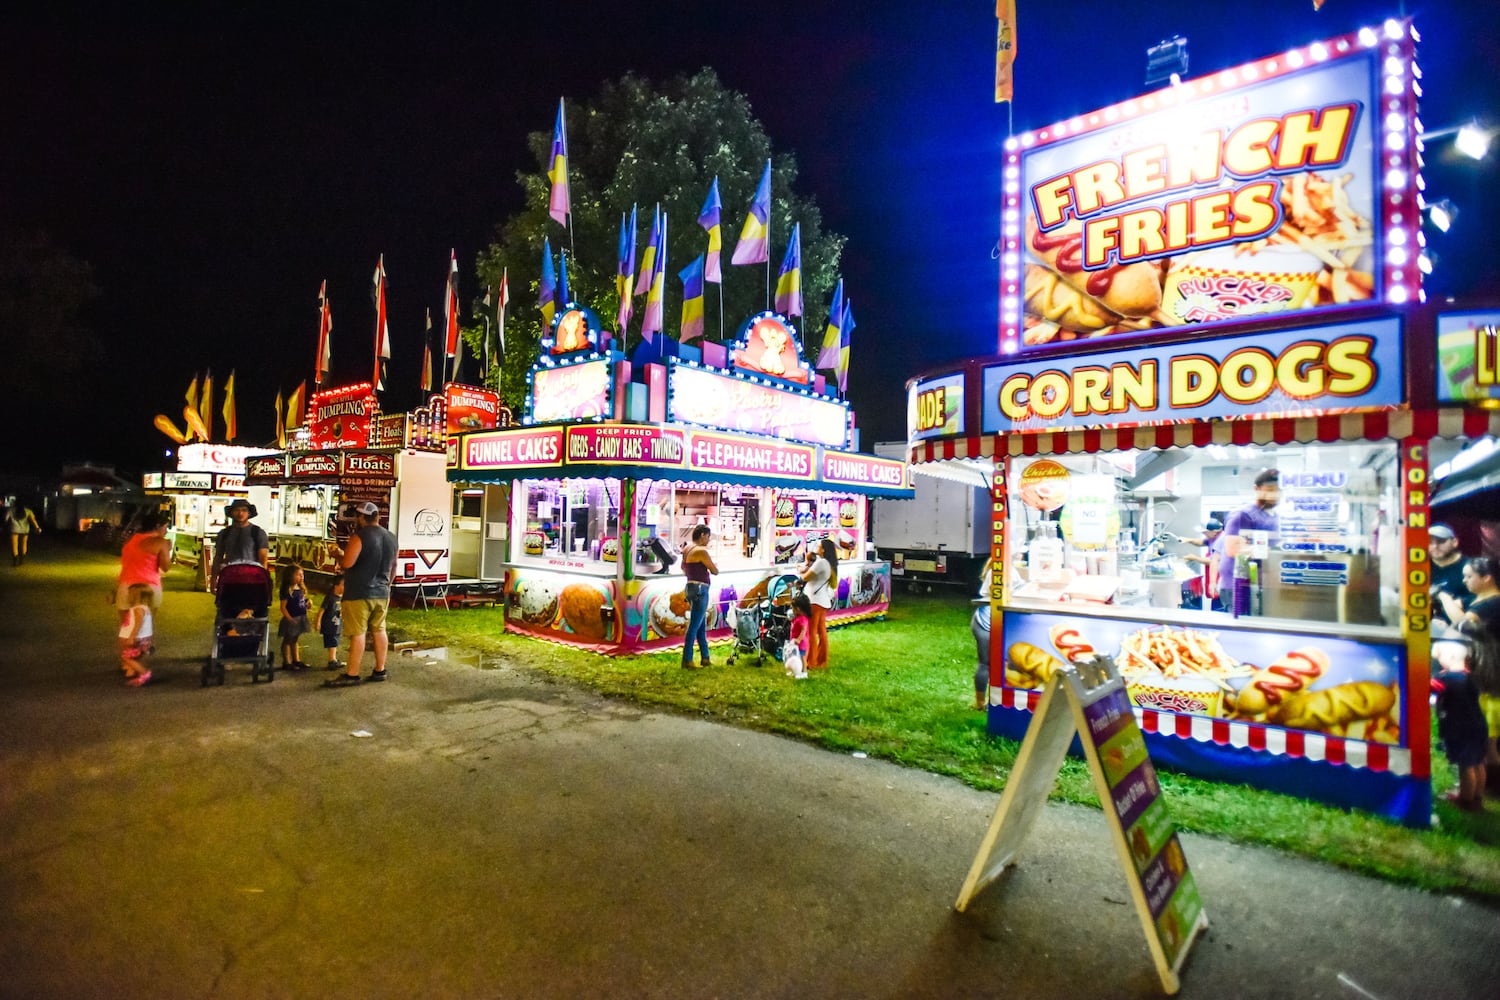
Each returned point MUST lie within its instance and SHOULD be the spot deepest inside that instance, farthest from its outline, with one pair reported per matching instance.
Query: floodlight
(1472, 141)
(1442, 213)
(1166, 59)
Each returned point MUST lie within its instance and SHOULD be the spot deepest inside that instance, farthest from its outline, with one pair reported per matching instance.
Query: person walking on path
(369, 563)
(147, 554)
(698, 565)
(820, 581)
(240, 542)
(21, 521)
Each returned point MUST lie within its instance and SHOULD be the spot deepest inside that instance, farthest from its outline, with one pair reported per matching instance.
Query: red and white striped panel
(1379, 426)
(1248, 735)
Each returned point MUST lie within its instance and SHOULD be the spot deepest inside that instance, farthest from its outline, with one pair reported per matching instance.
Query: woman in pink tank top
(146, 555)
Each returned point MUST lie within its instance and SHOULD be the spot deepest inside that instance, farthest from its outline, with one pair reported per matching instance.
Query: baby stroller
(242, 623)
(764, 627)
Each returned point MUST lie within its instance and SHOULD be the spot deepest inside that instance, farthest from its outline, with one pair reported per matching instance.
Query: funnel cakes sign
(1271, 188)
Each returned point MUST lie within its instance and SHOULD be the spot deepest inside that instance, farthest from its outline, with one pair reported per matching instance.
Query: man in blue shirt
(1257, 515)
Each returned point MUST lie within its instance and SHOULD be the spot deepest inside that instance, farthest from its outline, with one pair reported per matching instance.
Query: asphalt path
(497, 834)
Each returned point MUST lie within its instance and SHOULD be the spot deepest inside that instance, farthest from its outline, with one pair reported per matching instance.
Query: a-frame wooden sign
(1089, 700)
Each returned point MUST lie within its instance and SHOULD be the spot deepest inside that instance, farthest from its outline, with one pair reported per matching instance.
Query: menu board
(1088, 700)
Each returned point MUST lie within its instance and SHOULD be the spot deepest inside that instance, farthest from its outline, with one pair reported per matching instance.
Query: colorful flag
(753, 247)
(206, 406)
(625, 271)
(231, 424)
(325, 329)
(789, 283)
(546, 294)
(692, 300)
(563, 294)
(192, 393)
(648, 256)
(558, 203)
(194, 424)
(294, 406)
(450, 307)
(484, 345)
(828, 357)
(280, 421)
(846, 328)
(427, 355)
(1005, 50)
(709, 220)
(382, 328)
(500, 309)
(651, 319)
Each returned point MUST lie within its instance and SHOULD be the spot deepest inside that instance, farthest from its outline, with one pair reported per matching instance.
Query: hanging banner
(340, 418)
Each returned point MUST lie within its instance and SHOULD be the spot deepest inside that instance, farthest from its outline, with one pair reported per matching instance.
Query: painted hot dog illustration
(1270, 687)
(1124, 289)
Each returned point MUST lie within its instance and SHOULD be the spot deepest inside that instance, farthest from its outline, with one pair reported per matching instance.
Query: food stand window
(1125, 531)
(565, 517)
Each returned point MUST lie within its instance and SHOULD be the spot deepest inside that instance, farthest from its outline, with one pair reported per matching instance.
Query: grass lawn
(902, 690)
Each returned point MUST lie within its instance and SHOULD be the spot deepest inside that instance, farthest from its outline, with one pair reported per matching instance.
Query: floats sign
(1260, 190)
(1291, 373)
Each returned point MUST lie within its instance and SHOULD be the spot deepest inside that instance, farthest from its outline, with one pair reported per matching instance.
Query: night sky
(214, 166)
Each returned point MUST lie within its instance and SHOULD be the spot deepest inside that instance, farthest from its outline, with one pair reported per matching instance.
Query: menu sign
(862, 470)
(1468, 357)
(526, 448)
(193, 482)
(935, 408)
(315, 465)
(471, 408)
(214, 457)
(626, 444)
(1281, 373)
(720, 453)
(265, 468)
(1268, 188)
(341, 418)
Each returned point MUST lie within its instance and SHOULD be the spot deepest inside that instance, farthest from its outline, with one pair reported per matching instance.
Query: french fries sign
(1273, 187)
(1285, 373)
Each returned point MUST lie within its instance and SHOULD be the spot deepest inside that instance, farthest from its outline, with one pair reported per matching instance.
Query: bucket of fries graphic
(1234, 283)
(1187, 695)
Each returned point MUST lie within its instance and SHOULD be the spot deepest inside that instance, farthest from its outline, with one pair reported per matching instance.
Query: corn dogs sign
(1274, 187)
(1281, 373)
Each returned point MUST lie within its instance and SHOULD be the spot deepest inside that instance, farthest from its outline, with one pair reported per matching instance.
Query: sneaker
(139, 680)
(376, 676)
(343, 681)
(334, 665)
(296, 667)
(690, 665)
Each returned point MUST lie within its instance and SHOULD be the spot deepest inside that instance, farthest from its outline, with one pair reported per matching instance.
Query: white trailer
(942, 536)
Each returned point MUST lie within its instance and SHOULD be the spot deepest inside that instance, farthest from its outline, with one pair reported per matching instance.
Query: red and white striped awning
(1378, 426)
(1249, 736)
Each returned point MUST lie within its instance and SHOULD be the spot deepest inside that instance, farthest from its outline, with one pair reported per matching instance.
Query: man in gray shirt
(369, 563)
(241, 541)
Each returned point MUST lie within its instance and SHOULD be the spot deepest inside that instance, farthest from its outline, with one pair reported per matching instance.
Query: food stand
(587, 504)
(208, 478)
(1265, 223)
(348, 454)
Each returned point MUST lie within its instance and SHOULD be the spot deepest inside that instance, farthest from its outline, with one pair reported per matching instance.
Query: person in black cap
(1447, 569)
(1208, 540)
(241, 541)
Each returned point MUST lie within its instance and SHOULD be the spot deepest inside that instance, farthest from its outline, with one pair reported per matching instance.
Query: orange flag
(231, 427)
(1005, 50)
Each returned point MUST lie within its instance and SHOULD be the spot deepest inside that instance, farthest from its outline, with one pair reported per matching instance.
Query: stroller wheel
(208, 671)
(270, 667)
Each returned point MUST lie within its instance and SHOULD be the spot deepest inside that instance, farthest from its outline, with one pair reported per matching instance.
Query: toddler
(294, 605)
(794, 654)
(1461, 724)
(331, 620)
(135, 635)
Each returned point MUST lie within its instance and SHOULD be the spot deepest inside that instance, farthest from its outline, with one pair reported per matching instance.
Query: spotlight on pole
(1472, 141)
(1167, 59)
(1442, 213)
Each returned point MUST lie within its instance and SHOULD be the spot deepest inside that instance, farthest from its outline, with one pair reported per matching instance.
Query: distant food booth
(208, 478)
(588, 505)
(1291, 651)
(348, 454)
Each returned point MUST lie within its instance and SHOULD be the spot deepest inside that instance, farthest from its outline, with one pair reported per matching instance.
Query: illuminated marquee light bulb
(1396, 256)
(1395, 85)
(1395, 179)
(1398, 294)
(1395, 141)
(1392, 28)
(1319, 51)
(1394, 66)
(1295, 58)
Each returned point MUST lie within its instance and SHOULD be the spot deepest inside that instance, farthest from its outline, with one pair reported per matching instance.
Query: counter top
(1209, 619)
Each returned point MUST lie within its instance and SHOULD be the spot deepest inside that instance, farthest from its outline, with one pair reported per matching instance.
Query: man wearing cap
(1257, 515)
(1447, 569)
(369, 563)
(1210, 541)
(241, 541)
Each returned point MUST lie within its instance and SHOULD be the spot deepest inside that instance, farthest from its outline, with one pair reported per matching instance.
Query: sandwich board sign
(1088, 699)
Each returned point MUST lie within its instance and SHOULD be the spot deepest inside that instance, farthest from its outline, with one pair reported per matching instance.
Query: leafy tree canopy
(640, 144)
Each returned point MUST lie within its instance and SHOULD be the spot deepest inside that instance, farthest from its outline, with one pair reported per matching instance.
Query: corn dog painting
(1266, 190)
(1319, 684)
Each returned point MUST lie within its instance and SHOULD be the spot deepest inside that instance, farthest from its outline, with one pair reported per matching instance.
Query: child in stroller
(764, 625)
(242, 623)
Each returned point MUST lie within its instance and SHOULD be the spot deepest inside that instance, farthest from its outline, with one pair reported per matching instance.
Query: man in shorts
(369, 563)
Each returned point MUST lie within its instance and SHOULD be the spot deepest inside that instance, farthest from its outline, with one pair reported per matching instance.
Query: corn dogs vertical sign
(1285, 185)
(1089, 700)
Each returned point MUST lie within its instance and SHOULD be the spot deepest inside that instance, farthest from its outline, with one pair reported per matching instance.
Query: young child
(1461, 723)
(294, 605)
(331, 620)
(135, 635)
(795, 657)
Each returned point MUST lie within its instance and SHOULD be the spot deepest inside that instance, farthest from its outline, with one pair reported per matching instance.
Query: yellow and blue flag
(845, 328)
(828, 355)
(692, 300)
(709, 220)
(625, 270)
(753, 247)
(559, 204)
(648, 256)
(651, 320)
(789, 283)
(546, 294)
